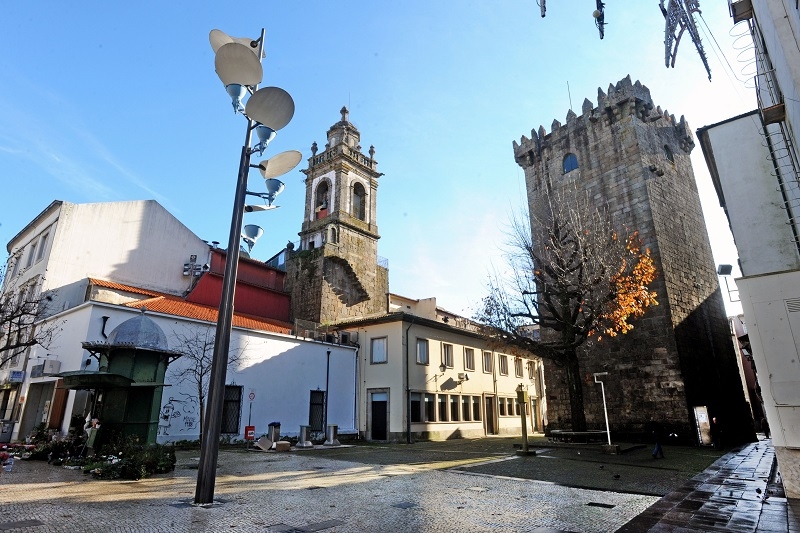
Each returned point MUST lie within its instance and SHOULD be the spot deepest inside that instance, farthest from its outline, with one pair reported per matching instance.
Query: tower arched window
(570, 163)
(333, 237)
(321, 199)
(359, 202)
(668, 154)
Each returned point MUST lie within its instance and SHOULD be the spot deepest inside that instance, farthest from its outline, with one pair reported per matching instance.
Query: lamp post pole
(605, 410)
(212, 426)
(238, 65)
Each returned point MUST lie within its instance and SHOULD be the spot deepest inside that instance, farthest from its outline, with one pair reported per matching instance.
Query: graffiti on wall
(179, 415)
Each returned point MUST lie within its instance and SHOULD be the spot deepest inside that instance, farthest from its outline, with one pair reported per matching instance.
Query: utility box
(6, 429)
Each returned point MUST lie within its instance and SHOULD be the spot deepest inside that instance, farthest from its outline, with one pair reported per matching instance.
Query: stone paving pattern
(451, 486)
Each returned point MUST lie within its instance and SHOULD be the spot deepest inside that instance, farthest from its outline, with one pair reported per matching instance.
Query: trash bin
(6, 429)
(274, 432)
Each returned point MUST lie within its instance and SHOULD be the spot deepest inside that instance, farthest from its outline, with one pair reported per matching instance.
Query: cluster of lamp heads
(237, 61)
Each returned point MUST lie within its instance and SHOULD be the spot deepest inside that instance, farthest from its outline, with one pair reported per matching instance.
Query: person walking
(657, 432)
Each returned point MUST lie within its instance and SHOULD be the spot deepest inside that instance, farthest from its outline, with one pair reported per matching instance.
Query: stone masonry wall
(634, 159)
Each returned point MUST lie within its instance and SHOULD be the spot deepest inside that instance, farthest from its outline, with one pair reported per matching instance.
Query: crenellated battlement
(620, 101)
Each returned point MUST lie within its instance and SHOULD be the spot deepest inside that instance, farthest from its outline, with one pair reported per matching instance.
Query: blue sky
(120, 101)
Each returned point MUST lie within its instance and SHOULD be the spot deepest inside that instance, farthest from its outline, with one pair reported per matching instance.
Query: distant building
(755, 165)
(677, 365)
(340, 287)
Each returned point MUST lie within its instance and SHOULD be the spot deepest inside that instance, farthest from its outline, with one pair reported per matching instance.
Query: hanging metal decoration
(680, 17)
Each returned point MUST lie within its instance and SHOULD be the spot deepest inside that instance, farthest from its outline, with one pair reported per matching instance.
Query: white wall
(772, 307)
(281, 369)
(755, 207)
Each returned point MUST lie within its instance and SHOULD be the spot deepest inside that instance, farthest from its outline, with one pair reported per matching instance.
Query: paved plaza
(477, 485)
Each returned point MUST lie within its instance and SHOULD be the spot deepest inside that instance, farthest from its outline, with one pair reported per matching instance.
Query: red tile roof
(174, 305)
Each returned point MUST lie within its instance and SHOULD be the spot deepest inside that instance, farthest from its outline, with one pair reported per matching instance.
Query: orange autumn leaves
(632, 295)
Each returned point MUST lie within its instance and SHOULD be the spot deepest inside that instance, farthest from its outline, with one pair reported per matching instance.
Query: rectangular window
(466, 408)
(518, 367)
(416, 407)
(15, 269)
(422, 351)
(502, 407)
(447, 355)
(31, 255)
(430, 408)
(511, 403)
(232, 409)
(503, 365)
(442, 400)
(487, 362)
(476, 408)
(516, 408)
(42, 245)
(469, 359)
(531, 370)
(454, 408)
(378, 350)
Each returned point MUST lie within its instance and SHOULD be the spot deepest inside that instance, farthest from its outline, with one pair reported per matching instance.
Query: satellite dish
(217, 38)
(250, 234)
(271, 106)
(236, 64)
(280, 164)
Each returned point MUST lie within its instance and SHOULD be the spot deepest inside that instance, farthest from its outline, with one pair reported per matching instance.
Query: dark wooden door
(379, 416)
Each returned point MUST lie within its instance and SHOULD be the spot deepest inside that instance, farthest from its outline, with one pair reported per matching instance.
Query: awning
(93, 379)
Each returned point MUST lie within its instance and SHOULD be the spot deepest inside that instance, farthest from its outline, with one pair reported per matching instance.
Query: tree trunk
(575, 391)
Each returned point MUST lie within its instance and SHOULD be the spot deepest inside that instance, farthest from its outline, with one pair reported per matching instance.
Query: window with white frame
(503, 364)
(31, 255)
(454, 414)
(502, 407)
(447, 355)
(469, 359)
(42, 245)
(378, 350)
(476, 408)
(430, 408)
(442, 403)
(487, 362)
(466, 410)
(416, 407)
(531, 370)
(422, 351)
(518, 367)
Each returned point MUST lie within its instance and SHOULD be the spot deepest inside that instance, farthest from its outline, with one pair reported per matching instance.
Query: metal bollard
(302, 441)
(332, 435)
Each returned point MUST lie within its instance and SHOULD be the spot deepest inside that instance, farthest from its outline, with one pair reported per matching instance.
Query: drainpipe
(408, 385)
(327, 391)
(356, 391)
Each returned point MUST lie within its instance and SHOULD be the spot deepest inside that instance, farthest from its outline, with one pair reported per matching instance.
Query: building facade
(755, 166)
(632, 159)
(336, 272)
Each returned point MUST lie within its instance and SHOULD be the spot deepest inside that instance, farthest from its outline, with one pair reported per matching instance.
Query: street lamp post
(238, 65)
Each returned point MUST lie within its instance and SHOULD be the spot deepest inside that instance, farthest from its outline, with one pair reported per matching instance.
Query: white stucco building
(427, 373)
(755, 166)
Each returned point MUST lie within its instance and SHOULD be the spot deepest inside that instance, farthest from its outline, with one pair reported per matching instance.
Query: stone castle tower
(336, 273)
(633, 158)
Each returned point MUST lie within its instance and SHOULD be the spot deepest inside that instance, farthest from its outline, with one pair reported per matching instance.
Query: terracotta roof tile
(174, 305)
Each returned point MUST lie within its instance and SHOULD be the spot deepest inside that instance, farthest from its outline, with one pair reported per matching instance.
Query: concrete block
(282, 446)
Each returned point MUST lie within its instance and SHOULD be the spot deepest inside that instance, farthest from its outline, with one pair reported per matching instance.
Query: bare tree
(574, 276)
(196, 344)
(23, 310)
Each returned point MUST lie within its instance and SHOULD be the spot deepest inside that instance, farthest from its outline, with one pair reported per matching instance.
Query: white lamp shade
(280, 164)
(218, 37)
(235, 63)
(271, 106)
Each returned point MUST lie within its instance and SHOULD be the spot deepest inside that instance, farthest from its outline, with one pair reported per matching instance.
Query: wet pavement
(477, 485)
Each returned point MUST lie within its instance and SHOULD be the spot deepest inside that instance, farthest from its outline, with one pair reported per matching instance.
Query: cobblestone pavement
(453, 486)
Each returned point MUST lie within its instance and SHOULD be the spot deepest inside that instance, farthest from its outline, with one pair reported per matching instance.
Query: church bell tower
(335, 274)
